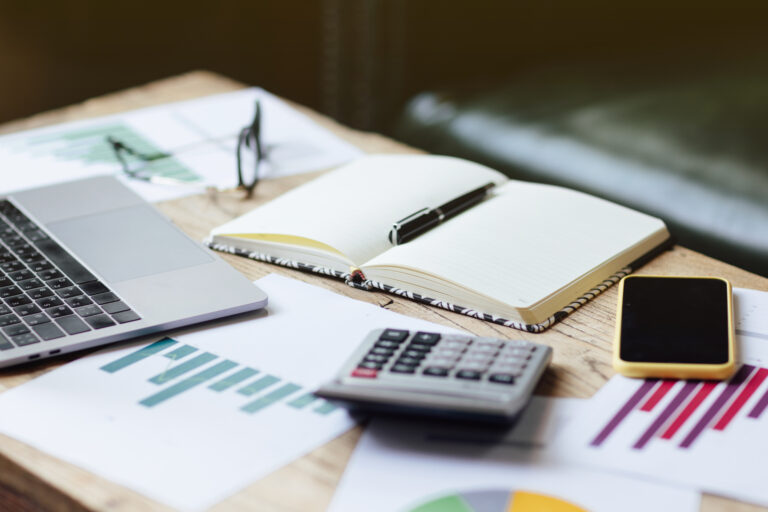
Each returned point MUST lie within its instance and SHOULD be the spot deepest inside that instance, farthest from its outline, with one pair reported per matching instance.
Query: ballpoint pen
(425, 219)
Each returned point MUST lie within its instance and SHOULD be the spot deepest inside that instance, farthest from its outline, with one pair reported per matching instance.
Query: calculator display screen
(675, 320)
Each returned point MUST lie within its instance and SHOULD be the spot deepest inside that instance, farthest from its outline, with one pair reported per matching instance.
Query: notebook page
(352, 208)
(524, 243)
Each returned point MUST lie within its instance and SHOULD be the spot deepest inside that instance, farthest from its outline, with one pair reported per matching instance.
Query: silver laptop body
(155, 277)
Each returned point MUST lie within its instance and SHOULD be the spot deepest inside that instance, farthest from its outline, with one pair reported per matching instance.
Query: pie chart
(497, 501)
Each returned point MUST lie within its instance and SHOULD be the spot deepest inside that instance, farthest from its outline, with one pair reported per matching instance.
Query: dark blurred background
(665, 103)
(357, 60)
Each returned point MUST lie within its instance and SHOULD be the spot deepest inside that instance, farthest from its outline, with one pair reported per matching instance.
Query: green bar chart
(189, 368)
(90, 146)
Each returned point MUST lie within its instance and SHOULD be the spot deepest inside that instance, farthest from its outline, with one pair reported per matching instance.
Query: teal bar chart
(189, 369)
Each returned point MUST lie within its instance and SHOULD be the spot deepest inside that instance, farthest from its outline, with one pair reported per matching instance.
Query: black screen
(674, 320)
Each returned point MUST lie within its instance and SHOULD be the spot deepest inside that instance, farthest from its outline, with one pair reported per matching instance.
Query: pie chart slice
(497, 501)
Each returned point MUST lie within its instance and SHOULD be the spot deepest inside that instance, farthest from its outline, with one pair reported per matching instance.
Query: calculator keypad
(444, 356)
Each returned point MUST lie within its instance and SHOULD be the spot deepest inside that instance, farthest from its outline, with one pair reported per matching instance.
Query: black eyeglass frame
(250, 138)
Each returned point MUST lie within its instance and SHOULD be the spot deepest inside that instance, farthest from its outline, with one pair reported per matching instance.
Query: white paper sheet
(709, 435)
(201, 135)
(400, 466)
(192, 449)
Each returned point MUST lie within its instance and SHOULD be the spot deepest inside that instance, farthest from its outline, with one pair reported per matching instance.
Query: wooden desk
(31, 480)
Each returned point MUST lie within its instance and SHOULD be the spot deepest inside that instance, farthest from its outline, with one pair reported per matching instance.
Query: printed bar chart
(180, 352)
(189, 383)
(234, 379)
(213, 374)
(686, 403)
(183, 368)
(90, 146)
(137, 356)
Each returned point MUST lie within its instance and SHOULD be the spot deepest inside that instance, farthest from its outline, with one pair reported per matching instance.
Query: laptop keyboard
(45, 293)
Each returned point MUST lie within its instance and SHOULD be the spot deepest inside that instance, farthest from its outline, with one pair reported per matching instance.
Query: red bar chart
(681, 412)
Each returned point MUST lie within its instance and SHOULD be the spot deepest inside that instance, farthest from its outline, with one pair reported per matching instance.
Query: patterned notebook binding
(356, 280)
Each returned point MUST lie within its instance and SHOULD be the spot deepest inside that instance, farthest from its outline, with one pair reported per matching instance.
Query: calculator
(429, 373)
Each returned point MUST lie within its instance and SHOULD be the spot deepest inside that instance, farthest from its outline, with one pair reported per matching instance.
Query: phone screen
(674, 320)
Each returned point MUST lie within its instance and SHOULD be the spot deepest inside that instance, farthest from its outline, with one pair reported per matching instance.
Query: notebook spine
(356, 279)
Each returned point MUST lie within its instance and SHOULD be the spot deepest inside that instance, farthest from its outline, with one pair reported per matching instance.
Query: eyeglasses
(138, 164)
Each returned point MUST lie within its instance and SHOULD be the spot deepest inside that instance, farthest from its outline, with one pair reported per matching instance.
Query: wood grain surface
(32, 480)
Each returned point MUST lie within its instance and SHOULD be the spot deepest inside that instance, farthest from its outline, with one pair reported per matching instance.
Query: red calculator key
(365, 373)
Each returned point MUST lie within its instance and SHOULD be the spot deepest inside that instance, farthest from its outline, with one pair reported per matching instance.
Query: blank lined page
(353, 208)
(524, 243)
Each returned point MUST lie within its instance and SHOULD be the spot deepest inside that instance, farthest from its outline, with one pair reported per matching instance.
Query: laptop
(89, 262)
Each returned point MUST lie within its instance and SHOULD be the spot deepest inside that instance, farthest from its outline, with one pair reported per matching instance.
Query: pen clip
(393, 233)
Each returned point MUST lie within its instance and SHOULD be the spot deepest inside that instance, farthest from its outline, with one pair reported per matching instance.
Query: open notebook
(525, 257)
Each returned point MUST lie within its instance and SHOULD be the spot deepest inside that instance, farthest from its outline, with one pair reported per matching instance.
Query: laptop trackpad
(128, 243)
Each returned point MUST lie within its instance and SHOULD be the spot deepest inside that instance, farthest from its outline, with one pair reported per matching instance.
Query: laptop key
(21, 275)
(30, 284)
(51, 273)
(49, 302)
(40, 265)
(5, 281)
(37, 319)
(68, 292)
(48, 331)
(72, 325)
(126, 316)
(31, 257)
(11, 319)
(4, 310)
(104, 298)
(12, 266)
(78, 301)
(9, 291)
(99, 321)
(61, 282)
(88, 310)
(18, 300)
(36, 235)
(94, 287)
(15, 330)
(62, 259)
(5, 343)
(26, 309)
(25, 339)
(58, 311)
(39, 293)
(6, 257)
(115, 307)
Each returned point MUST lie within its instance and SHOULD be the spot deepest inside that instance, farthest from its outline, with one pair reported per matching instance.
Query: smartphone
(674, 327)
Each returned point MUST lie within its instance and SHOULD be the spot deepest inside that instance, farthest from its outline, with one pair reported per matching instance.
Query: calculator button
(413, 353)
(382, 351)
(468, 374)
(453, 345)
(403, 368)
(502, 378)
(428, 338)
(436, 371)
(513, 369)
(364, 373)
(477, 350)
(394, 335)
(441, 361)
(419, 347)
(455, 354)
(487, 343)
(473, 366)
(387, 344)
(410, 361)
(371, 365)
(373, 358)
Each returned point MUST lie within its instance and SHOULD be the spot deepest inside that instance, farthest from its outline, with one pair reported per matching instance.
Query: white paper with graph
(191, 419)
(200, 135)
(708, 434)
